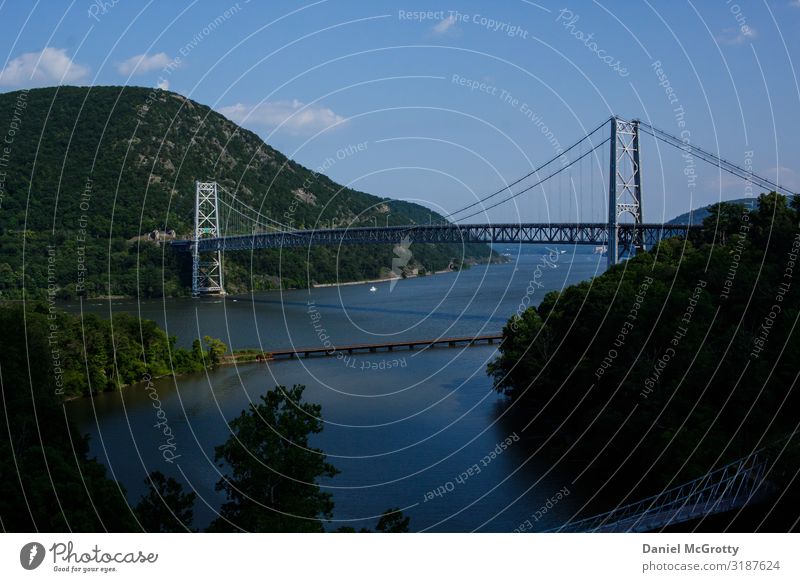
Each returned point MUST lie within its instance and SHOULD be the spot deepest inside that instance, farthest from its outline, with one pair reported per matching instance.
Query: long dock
(382, 347)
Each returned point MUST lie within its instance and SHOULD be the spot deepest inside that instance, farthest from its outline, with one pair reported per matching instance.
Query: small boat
(373, 289)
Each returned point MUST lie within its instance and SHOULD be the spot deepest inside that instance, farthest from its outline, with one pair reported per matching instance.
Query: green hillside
(90, 172)
(670, 363)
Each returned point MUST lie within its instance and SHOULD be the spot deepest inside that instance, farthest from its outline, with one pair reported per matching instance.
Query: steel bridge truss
(624, 188)
(207, 274)
(629, 236)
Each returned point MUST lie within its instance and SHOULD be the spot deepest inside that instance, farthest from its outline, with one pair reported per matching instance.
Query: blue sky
(315, 79)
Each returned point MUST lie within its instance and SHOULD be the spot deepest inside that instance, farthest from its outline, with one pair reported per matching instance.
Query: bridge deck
(526, 233)
(387, 346)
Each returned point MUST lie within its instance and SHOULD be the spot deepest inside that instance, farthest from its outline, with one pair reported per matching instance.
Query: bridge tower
(624, 188)
(206, 266)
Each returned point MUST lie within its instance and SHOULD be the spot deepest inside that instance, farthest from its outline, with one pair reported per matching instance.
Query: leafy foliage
(272, 471)
(89, 354)
(165, 508)
(216, 349)
(393, 521)
(661, 368)
(49, 483)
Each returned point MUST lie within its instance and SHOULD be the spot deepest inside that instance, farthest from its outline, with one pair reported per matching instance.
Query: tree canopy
(271, 471)
(672, 362)
(49, 483)
(165, 508)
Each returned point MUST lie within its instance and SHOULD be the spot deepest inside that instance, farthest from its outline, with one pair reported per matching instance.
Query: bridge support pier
(624, 188)
(207, 275)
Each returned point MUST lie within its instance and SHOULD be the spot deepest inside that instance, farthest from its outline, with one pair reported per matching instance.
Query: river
(406, 428)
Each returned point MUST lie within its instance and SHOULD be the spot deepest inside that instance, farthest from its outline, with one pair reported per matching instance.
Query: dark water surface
(398, 425)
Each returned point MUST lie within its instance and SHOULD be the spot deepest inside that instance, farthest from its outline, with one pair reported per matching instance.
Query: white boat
(373, 289)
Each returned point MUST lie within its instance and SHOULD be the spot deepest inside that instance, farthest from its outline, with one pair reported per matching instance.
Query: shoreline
(230, 360)
(466, 265)
(383, 280)
(74, 300)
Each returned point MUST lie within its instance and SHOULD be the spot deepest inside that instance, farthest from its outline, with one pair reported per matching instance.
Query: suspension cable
(542, 181)
(255, 213)
(529, 174)
(713, 159)
(244, 213)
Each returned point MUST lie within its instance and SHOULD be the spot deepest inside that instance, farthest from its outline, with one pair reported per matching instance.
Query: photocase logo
(402, 256)
(31, 555)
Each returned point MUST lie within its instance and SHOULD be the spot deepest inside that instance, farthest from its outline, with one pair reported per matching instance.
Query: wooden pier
(383, 347)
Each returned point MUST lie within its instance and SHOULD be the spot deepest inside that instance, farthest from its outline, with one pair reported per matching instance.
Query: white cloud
(163, 84)
(737, 35)
(51, 66)
(795, 3)
(141, 64)
(293, 116)
(445, 25)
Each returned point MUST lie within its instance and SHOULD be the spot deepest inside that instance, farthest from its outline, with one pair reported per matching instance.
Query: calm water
(397, 425)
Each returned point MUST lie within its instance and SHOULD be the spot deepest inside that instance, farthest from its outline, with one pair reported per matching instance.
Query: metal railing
(730, 487)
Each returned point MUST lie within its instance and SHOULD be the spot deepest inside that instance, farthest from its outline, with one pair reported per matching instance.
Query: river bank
(378, 280)
(495, 259)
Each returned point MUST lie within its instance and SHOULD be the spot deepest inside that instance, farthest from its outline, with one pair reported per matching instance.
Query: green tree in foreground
(165, 508)
(391, 521)
(271, 471)
(48, 482)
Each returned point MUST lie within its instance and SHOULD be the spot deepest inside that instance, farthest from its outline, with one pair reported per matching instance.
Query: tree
(165, 508)
(49, 483)
(773, 223)
(271, 472)
(393, 521)
(724, 220)
(216, 349)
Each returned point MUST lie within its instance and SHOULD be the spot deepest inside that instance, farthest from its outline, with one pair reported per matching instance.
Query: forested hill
(110, 164)
(671, 363)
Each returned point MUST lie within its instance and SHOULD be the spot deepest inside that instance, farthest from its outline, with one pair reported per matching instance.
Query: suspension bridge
(606, 159)
(730, 487)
